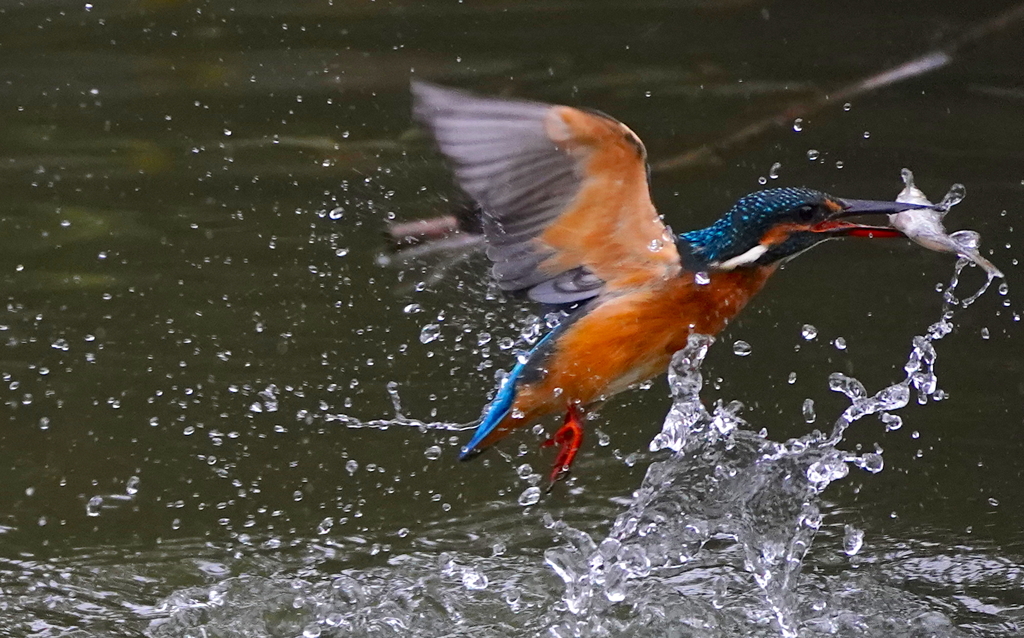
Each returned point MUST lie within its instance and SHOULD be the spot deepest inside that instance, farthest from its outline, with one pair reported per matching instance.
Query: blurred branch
(930, 61)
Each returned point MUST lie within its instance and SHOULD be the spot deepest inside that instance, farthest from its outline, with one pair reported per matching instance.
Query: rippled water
(226, 413)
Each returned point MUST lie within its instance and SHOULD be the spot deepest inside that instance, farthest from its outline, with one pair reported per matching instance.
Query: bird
(568, 221)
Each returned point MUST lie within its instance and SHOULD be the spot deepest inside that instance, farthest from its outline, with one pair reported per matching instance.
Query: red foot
(569, 437)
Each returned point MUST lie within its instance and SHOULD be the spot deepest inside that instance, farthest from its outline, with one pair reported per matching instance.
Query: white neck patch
(748, 257)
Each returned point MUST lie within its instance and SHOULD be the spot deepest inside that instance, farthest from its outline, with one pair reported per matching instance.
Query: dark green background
(166, 254)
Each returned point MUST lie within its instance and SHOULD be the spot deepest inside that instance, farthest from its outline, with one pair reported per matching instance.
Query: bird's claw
(568, 438)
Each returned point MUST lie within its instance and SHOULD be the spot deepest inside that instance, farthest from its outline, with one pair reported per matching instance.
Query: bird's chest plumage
(632, 337)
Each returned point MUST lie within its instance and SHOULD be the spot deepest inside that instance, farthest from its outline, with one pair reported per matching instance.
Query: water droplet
(808, 332)
(741, 348)
(839, 163)
(871, 462)
(847, 106)
(993, 502)
(131, 488)
(720, 595)
(473, 579)
(702, 278)
(808, 411)
(483, 338)
(839, 343)
(325, 526)
(1004, 288)
(430, 332)
(312, 630)
(506, 343)
(867, 135)
(984, 333)
(92, 508)
(813, 154)
(852, 388)
(853, 540)
(891, 421)
(530, 496)
(762, 180)
(351, 466)
(827, 470)
(792, 378)
(798, 124)
(336, 213)
(656, 245)
(433, 452)
(956, 194)
(773, 172)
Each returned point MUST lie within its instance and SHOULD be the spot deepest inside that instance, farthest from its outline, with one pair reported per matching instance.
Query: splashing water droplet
(351, 466)
(92, 508)
(853, 540)
(336, 213)
(530, 496)
(871, 462)
(813, 154)
(852, 388)
(131, 488)
(808, 411)
(808, 332)
(473, 579)
(956, 194)
(433, 452)
(792, 378)
(656, 245)
(325, 526)
(891, 421)
(702, 278)
(773, 173)
(798, 124)
(430, 332)
(839, 343)
(847, 106)
(741, 348)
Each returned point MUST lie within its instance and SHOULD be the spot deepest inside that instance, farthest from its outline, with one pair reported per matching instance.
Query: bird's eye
(805, 213)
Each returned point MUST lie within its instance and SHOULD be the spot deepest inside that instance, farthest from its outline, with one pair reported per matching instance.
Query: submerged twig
(930, 61)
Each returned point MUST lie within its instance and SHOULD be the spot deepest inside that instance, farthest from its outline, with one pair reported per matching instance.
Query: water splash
(728, 486)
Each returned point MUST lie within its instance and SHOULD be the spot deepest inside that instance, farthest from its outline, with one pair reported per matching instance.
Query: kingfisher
(568, 221)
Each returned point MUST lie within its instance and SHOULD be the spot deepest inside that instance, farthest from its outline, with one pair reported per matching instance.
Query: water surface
(191, 334)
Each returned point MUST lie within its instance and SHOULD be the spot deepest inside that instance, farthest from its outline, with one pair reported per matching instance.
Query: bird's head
(772, 226)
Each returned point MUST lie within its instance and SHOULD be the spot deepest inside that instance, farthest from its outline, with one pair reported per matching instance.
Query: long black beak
(870, 207)
(854, 207)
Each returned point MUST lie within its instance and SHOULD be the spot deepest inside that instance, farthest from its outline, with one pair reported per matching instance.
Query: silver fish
(924, 225)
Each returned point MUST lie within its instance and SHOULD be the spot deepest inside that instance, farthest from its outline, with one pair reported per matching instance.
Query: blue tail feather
(502, 403)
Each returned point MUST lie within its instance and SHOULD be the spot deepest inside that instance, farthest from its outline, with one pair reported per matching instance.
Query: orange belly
(627, 339)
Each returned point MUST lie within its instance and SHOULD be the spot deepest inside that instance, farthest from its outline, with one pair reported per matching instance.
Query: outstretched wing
(566, 207)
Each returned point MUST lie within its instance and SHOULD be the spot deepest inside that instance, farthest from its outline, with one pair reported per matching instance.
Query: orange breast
(632, 338)
(628, 339)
